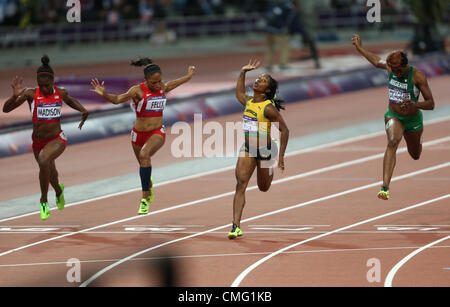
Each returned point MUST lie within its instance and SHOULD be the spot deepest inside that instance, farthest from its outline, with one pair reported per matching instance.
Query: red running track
(322, 210)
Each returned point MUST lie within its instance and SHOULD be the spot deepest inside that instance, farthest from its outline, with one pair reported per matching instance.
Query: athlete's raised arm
(372, 58)
(99, 88)
(20, 95)
(240, 86)
(177, 82)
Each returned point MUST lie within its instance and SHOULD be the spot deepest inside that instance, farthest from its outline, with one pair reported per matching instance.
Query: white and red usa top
(46, 109)
(152, 104)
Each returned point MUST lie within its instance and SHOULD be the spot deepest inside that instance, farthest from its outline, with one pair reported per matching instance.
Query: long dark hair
(272, 95)
(150, 67)
(45, 70)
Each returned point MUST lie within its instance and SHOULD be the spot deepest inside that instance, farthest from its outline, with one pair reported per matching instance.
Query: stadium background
(218, 37)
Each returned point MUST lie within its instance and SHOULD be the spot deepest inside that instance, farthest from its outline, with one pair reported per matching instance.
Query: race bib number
(397, 96)
(250, 124)
(48, 112)
(155, 104)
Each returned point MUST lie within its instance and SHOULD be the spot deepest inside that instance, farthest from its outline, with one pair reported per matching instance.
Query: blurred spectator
(278, 17)
(145, 11)
(201, 7)
(428, 14)
(154, 12)
(113, 15)
(129, 9)
(193, 8)
(218, 7)
(389, 10)
(342, 5)
(297, 26)
(252, 6)
(9, 12)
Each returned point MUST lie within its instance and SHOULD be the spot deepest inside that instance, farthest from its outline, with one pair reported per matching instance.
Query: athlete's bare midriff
(148, 123)
(395, 107)
(46, 131)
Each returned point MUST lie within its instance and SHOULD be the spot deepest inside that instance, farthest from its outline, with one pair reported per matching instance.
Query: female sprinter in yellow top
(148, 134)
(261, 111)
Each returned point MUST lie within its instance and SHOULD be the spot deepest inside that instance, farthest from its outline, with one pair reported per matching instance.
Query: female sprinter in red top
(148, 134)
(49, 141)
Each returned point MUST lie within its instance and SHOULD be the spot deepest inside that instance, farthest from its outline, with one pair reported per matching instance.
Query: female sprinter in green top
(261, 111)
(404, 115)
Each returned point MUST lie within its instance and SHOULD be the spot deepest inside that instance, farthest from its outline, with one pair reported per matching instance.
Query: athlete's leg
(394, 133)
(54, 180)
(264, 174)
(244, 169)
(45, 158)
(143, 155)
(414, 143)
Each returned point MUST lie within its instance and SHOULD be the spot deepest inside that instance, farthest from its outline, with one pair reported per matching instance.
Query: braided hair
(272, 95)
(150, 67)
(45, 71)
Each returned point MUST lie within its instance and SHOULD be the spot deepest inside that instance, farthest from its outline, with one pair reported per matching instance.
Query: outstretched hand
(98, 88)
(356, 40)
(16, 84)
(191, 71)
(252, 64)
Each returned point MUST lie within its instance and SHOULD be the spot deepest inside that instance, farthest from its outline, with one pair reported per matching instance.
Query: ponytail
(45, 69)
(150, 67)
(272, 95)
(141, 62)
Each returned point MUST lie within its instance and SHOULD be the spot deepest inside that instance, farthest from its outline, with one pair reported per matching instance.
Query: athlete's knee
(415, 154)
(393, 142)
(241, 185)
(264, 187)
(43, 161)
(144, 158)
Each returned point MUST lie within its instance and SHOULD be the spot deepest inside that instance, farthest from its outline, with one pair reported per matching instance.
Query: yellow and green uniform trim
(255, 123)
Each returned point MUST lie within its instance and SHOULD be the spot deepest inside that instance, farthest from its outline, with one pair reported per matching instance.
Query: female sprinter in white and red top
(148, 134)
(49, 141)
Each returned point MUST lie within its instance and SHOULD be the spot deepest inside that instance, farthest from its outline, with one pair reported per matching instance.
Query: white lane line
(408, 175)
(228, 168)
(224, 255)
(325, 169)
(262, 231)
(284, 225)
(243, 274)
(224, 169)
(393, 271)
(415, 225)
